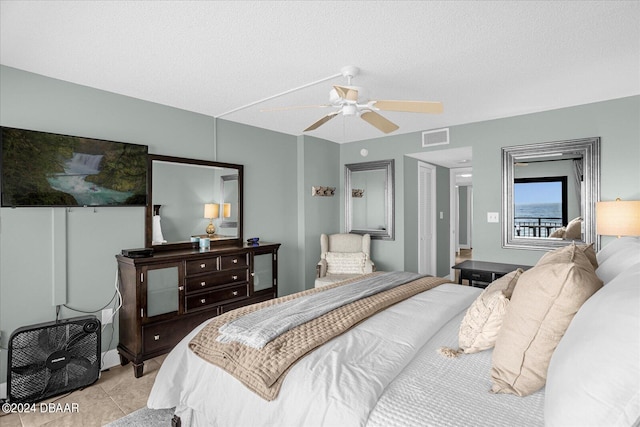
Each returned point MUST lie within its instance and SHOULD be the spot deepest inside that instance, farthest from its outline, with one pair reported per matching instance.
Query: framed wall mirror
(369, 199)
(229, 191)
(179, 189)
(549, 191)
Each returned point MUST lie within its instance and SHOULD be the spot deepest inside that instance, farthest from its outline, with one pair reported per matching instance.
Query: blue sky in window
(537, 192)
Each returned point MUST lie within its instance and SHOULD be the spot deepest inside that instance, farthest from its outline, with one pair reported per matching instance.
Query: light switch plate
(493, 217)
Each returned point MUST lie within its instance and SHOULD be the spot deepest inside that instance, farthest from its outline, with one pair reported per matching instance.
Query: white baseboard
(109, 360)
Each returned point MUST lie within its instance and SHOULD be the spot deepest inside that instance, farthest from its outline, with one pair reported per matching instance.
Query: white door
(426, 219)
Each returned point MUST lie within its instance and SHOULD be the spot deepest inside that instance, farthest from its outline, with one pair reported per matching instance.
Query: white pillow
(594, 373)
(618, 246)
(617, 256)
(345, 262)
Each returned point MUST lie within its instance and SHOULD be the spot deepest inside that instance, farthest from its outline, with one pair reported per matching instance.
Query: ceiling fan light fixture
(349, 110)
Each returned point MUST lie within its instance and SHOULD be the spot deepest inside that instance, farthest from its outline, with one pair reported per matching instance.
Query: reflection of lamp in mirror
(211, 210)
(618, 218)
(226, 210)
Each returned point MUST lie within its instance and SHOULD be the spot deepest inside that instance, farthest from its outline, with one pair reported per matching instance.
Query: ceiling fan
(353, 101)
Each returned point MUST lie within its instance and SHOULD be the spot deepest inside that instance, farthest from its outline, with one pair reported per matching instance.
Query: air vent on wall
(435, 137)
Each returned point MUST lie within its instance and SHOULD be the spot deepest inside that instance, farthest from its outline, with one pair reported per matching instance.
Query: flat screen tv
(48, 169)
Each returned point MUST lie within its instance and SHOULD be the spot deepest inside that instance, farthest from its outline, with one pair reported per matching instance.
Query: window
(540, 205)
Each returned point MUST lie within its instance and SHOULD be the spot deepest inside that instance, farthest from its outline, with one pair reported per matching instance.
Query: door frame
(432, 260)
(453, 216)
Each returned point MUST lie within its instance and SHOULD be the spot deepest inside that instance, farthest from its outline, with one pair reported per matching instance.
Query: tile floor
(116, 394)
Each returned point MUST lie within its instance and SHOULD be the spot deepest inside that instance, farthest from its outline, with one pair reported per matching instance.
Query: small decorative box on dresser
(168, 294)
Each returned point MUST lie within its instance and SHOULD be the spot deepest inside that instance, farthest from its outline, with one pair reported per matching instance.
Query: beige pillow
(541, 308)
(574, 229)
(559, 233)
(345, 262)
(481, 323)
(584, 248)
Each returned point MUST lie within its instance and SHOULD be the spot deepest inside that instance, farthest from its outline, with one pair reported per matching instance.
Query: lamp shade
(618, 218)
(226, 210)
(211, 210)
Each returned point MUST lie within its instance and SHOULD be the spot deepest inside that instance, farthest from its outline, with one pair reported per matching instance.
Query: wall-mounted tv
(48, 169)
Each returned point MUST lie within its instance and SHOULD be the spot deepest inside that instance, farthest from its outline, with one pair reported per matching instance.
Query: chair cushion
(542, 306)
(345, 263)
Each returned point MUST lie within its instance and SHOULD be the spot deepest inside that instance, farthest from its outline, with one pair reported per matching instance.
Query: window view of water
(537, 208)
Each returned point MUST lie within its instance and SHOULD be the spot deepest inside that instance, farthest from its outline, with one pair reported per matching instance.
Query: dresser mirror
(549, 191)
(229, 191)
(179, 188)
(369, 199)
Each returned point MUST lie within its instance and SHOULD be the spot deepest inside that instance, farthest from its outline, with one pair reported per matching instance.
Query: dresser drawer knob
(203, 265)
(234, 277)
(235, 260)
(180, 288)
(235, 293)
(203, 283)
(156, 337)
(203, 300)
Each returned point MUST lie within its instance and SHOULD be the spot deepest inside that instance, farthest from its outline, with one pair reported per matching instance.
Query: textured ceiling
(482, 59)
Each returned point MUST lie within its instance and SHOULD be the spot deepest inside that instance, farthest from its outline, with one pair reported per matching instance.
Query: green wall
(615, 121)
(48, 256)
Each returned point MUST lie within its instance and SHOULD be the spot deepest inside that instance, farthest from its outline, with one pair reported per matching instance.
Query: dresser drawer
(234, 261)
(204, 265)
(207, 281)
(207, 299)
(159, 336)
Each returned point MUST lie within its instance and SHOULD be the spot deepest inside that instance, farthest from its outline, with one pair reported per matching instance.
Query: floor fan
(52, 358)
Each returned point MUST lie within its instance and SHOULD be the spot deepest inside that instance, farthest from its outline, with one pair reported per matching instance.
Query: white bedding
(435, 391)
(338, 384)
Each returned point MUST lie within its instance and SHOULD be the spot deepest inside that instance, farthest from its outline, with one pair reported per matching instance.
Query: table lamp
(211, 210)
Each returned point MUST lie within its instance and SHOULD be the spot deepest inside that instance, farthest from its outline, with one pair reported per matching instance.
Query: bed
(388, 370)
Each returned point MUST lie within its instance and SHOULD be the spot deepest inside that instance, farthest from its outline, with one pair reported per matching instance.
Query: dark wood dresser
(168, 294)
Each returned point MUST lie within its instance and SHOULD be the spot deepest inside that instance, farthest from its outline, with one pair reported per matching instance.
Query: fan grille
(33, 377)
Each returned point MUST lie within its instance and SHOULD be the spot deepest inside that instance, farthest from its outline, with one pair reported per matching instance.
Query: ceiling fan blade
(410, 106)
(322, 121)
(378, 121)
(294, 107)
(347, 93)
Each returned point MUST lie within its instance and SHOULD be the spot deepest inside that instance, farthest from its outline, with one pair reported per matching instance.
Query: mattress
(436, 391)
(338, 384)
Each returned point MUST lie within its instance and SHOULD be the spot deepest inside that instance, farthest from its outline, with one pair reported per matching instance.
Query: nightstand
(481, 273)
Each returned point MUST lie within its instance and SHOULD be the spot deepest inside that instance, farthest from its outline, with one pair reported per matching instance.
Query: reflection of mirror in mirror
(368, 210)
(369, 199)
(549, 193)
(229, 191)
(183, 190)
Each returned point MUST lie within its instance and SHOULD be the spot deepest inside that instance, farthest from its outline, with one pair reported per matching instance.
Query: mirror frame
(589, 149)
(223, 179)
(388, 167)
(149, 208)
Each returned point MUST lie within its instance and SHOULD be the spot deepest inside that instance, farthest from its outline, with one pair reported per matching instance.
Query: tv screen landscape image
(48, 169)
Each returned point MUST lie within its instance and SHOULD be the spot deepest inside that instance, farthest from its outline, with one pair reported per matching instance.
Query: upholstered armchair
(343, 256)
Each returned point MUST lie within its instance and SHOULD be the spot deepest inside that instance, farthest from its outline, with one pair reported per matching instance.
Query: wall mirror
(369, 199)
(229, 191)
(179, 188)
(549, 191)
